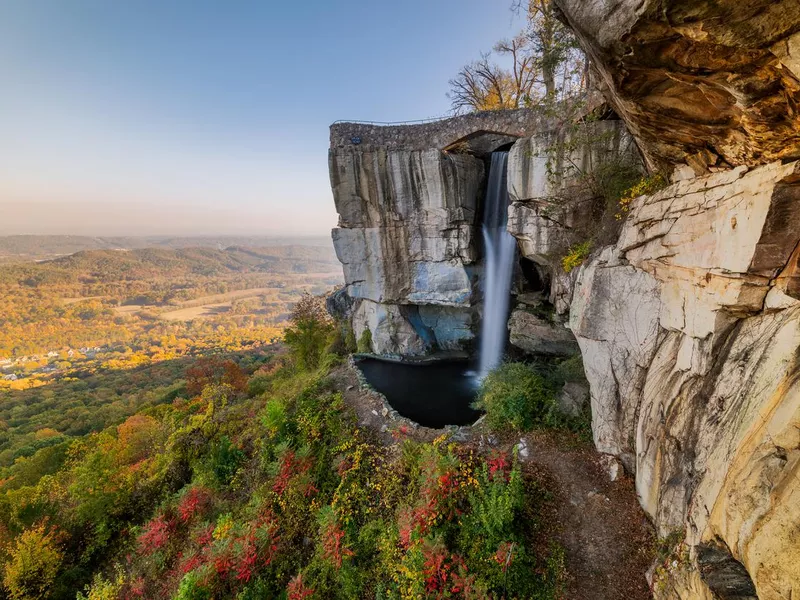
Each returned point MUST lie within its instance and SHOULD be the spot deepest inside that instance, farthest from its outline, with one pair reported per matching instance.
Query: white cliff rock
(690, 333)
(554, 203)
(406, 223)
(406, 243)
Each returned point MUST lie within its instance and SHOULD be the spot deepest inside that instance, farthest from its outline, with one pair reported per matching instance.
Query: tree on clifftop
(545, 65)
(484, 85)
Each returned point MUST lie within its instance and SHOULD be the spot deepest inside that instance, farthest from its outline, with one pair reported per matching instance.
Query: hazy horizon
(189, 118)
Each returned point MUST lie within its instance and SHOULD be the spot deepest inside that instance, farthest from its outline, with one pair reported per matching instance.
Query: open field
(68, 301)
(128, 309)
(196, 312)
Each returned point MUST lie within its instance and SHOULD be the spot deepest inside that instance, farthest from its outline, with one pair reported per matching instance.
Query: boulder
(539, 336)
(573, 399)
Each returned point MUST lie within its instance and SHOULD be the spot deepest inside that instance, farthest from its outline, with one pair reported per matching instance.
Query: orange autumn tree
(33, 564)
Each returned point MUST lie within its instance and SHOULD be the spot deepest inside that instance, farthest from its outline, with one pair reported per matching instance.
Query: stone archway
(481, 142)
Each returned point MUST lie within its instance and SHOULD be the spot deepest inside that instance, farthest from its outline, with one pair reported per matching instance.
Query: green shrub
(365, 342)
(515, 396)
(225, 460)
(191, 588)
(570, 370)
(576, 255)
(350, 343)
(311, 332)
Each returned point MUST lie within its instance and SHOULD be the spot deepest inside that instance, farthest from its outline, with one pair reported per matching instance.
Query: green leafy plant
(365, 341)
(576, 255)
(648, 184)
(516, 397)
(570, 370)
(350, 343)
(311, 332)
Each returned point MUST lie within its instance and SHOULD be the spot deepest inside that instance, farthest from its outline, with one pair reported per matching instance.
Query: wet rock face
(689, 327)
(554, 202)
(406, 240)
(693, 76)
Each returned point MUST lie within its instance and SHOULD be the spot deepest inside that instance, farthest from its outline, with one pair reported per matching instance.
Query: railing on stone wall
(389, 123)
(439, 132)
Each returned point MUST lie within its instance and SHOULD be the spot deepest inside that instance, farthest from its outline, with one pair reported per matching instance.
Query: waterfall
(500, 247)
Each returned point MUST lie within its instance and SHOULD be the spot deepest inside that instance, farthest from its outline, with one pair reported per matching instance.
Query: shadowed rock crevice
(723, 574)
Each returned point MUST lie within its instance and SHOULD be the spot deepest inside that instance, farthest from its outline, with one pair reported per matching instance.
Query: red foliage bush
(213, 370)
(436, 568)
(194, 502)
(333, 548)
(297, 590)
(248, 558)
(499, 466)
(156, 534)
(137, 587)
(504, 555)
(290, 467)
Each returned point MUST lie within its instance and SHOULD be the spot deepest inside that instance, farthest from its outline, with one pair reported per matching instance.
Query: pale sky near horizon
(170, 117)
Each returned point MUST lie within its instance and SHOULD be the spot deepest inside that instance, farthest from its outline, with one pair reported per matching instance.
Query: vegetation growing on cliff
(576, 255)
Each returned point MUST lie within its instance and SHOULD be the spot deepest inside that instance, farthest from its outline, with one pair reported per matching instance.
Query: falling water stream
(440, 393)
(500, 247)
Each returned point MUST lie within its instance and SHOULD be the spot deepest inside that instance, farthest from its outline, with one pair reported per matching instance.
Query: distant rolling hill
(37, 247)
(149, 263)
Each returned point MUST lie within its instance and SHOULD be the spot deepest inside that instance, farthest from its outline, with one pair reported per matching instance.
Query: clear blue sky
(202, 117)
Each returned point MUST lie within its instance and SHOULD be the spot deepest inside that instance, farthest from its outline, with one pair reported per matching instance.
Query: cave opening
(534, 277)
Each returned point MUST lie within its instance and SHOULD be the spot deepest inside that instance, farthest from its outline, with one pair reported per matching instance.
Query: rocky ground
(608, 540)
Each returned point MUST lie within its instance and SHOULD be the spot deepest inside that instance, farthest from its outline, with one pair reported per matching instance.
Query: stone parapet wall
(439, 134)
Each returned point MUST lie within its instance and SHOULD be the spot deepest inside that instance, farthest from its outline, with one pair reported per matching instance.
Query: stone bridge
(499, 125)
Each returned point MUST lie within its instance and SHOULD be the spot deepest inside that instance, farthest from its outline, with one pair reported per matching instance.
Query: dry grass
(196, 312)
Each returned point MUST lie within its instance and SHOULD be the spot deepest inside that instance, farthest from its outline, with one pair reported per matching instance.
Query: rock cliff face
(409, 200)
(689, 324)
(405, 240)
(689, 328)
(716, 80)
(553, 180)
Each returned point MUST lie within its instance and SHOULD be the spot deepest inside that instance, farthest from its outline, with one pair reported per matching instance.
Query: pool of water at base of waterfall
(433, 394)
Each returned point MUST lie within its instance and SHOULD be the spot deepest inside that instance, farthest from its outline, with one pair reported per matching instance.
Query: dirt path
(606, 536)
(608, 539)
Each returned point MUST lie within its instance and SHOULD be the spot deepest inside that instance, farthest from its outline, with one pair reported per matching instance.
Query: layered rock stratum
(689, 327)
(405, 240)
(716, 80)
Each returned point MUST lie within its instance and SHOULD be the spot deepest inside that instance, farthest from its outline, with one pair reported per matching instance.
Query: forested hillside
(111, 297)
(251, 479)
(32, 247)
(90, 339)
